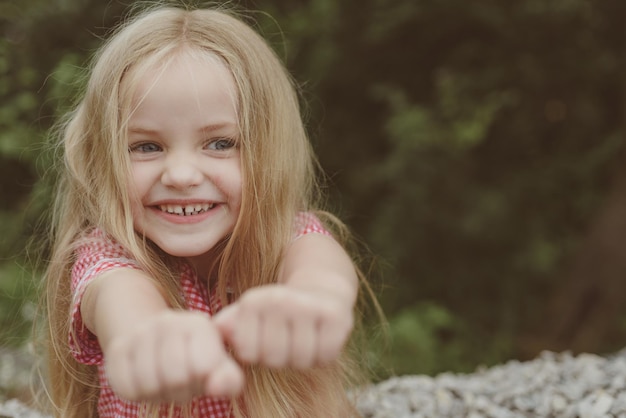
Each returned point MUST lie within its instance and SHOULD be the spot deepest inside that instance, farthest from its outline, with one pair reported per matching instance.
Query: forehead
(183, 97)
(185, 72)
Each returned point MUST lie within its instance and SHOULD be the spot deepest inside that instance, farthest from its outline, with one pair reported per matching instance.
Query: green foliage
(17, 303)
(468, 143)
(427, 338)
(24, 184)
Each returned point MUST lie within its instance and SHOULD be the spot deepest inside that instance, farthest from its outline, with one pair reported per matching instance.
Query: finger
(274, 340)
(246, 336)
(303, 343)
(144, 363)
(206, 352)
(226, 380)
(173, 369)
(226, 321)
(333, 335)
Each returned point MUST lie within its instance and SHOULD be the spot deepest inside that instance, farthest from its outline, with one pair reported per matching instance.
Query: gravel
(554, 385)
(551, 386)
(15, 409)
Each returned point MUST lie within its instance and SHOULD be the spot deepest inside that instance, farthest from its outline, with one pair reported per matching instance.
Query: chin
(185, 252)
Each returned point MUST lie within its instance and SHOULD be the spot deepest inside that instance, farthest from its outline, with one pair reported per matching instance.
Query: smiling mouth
(187, 210)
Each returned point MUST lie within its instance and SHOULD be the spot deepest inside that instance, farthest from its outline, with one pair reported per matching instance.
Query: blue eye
(144, 147)
(221, 144)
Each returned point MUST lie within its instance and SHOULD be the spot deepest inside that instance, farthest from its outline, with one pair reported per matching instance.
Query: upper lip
(185, 209)
(183, 202)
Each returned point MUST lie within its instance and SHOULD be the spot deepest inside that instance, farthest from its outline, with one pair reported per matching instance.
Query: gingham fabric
(99, 253)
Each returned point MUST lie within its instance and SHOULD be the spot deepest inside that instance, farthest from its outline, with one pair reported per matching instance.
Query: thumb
(227, 380)
(225, 321)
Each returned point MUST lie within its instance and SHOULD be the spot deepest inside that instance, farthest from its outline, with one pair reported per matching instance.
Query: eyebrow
(204, 129)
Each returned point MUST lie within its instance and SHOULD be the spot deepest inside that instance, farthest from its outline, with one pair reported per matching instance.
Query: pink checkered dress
(100, 253)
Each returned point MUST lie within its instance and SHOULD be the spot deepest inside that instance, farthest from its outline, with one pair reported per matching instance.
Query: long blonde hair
(278, 169)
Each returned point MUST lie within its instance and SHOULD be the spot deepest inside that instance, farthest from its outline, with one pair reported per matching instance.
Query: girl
(188, 184)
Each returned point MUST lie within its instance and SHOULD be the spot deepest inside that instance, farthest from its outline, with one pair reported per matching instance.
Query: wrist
(325, 284)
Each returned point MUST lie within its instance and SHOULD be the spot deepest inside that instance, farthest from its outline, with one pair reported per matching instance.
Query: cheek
(139, 182)
(238, 190)
(230, 183)
(137, 188)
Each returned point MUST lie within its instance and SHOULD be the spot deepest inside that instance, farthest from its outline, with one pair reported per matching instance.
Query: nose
(181, 171)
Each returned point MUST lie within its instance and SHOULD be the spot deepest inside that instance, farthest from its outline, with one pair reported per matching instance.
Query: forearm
(117, 301)
(154, 353)
(318, 263)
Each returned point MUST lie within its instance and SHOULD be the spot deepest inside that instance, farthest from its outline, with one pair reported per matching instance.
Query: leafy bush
(427, 338)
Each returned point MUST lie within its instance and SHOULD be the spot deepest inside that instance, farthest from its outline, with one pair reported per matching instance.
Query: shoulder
(96, 252)
(308, 223)
(95, 241)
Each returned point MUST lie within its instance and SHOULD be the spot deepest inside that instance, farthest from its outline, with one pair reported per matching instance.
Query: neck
(206, 265)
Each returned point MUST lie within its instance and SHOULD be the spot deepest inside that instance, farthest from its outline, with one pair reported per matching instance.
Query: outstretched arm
(317, 263)
(306, 318)
(152, 352)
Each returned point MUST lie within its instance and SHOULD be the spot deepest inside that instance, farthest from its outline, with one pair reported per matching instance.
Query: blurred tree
(583, 311)
(472, 144)
(40, 53)
(476, 146)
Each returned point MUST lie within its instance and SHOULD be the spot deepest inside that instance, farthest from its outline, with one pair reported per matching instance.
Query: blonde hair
(278, 169)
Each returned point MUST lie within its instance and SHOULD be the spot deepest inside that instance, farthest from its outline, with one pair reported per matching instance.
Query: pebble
(15, 409)
(554, 385)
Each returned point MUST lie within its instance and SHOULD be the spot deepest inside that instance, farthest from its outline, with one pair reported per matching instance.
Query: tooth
(177, 209)
(189, 209)
(205, 206)
(211, 206)
(197, 208)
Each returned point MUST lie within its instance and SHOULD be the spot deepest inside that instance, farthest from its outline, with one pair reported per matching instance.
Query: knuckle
(274, 360)
(176, 382)
(302, 362)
